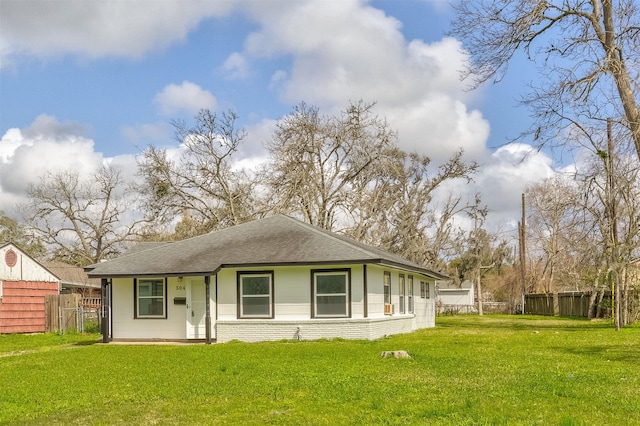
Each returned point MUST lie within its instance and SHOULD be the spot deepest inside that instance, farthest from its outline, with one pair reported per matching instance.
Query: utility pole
(522, 246)
(479, 272)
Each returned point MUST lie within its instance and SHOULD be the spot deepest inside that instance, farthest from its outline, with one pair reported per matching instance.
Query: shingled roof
(272, 241)
(71, 276)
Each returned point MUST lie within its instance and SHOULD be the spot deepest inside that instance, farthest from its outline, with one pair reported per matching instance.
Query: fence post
(60, 319)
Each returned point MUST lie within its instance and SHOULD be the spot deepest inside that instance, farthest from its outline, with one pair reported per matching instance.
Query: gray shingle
(275, 240)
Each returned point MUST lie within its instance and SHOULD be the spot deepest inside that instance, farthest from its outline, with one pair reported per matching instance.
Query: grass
(466, 371)
(13, 344)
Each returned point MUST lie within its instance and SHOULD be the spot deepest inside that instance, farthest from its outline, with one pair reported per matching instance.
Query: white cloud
(236, 66)
(92, 29)
(9, 143)
(504, 177)
(46, 146)
(439, 126)
(346, 51)
(143, 133)
(257, 134)
(501, 179)
(277, 79)
(187, 97)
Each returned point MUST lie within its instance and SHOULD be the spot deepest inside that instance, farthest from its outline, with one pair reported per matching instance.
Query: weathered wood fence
(568, 304)
(63, 312)
(575, 304)
(539, 304)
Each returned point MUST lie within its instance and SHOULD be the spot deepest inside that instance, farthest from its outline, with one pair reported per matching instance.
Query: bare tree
(561, 235)
(345, 173)
(627, 193)
(398, 211)
(199, 191)
(584, 232)
(81, 221)
(316, 161)
(615, 208)
(587, 52)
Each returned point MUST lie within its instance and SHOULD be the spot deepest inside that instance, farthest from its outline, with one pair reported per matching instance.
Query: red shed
(23, 284)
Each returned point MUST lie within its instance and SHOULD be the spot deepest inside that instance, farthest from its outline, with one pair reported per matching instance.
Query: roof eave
(381, 262)
(420, 270)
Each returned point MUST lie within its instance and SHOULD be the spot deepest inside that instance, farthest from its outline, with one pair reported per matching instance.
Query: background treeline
(345, 173)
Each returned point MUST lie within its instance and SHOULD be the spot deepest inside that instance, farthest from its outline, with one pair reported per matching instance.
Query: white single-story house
(270, 279)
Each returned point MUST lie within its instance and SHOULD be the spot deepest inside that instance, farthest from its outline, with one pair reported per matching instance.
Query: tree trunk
(624, 305)
(618, 305)
(593, 307)
(599, 305)
(480, 312)
(618, 68)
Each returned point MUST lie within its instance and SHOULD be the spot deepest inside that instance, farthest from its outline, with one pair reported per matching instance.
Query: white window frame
(411, 308)
(346, 294)
(424, 289)
(138, 297)
(242, 296)
(387, 288)
(402, 290)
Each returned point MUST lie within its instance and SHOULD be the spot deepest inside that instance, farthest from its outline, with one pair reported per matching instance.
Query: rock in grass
(395, 354)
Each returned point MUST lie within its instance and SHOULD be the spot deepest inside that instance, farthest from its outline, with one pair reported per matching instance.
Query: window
(401, 291)
(151, 298)
(424, 290)
(255, 294)
(387, 288)
(410, 291)
(331, 290)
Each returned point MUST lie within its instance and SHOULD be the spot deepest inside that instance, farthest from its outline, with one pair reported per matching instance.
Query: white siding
(292, 291)
(375, 287)
(292, 311)
(449, 294)
(125, 326)
(376, 295)
(462, 296)
(227, 294)
(25, 269)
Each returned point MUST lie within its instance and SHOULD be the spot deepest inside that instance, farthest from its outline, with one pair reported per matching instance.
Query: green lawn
(466, 371)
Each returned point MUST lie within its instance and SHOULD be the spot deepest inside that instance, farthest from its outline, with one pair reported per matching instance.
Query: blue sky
(83, 83)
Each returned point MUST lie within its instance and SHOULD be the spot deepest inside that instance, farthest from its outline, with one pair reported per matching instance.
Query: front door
(196, 309)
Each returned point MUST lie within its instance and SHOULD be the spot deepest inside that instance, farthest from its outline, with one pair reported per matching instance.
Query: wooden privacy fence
(574, 304)
(539, 304)
(63, 312)
(569, 304)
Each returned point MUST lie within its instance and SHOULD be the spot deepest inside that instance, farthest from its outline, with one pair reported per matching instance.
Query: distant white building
(450, 297)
